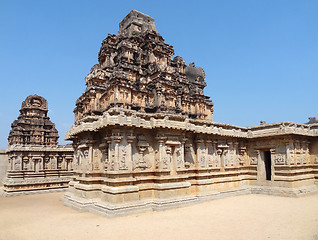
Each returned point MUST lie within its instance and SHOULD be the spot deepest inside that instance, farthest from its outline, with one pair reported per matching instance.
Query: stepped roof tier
(137, 71)
(33, 126)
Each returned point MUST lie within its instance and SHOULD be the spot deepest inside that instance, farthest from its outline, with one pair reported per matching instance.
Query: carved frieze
(142, 146)
(254, 158)
(280, 159)
(33, 126)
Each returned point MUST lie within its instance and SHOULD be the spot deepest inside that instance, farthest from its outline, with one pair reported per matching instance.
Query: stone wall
(143, 162)
(3, 166)
(314, 157)
(34, 169)
(284, 161)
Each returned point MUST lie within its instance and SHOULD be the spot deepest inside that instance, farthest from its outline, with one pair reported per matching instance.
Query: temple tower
(144, 137)
(36, 162)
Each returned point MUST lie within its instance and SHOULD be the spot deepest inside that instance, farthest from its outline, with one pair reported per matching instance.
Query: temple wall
(3, 166)
(124, 165)
(282, 162)
(165, 167)
(314, 158)
(33, 169)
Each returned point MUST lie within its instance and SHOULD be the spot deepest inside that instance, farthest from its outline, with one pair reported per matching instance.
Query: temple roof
(33, 126)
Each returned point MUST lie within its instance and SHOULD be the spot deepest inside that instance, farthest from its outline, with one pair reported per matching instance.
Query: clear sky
(260, 56)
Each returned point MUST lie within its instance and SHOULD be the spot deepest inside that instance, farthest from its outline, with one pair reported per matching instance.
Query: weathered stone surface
(137, 71)
(3, 166)
(33, 126)
(144, 136)
(35, 161)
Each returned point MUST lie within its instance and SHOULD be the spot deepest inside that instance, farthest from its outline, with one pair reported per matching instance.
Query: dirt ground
(245, 217)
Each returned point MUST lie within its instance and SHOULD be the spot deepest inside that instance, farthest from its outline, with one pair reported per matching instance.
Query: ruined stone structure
(144, 136)
(36, 162)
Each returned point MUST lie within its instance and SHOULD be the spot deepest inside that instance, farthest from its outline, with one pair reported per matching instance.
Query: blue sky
(260, 57)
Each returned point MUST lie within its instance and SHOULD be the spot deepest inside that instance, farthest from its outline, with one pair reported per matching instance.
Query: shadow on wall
(3, 165)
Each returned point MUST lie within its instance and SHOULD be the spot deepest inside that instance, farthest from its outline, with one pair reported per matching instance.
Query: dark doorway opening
(268, 165)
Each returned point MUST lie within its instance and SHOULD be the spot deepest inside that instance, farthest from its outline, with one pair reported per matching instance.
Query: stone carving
(279, 159)
(202, 159)
(33, 144)
(142, 147)
(141, 163)
(180, 162)
(253, 160)
(189, 161)
(298, 159)
(241, 158)
(33, 126)
(136, 71)
(162, 146)
(122, 163)
(167, 158)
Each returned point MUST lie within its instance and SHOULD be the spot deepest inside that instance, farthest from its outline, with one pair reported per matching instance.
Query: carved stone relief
(279, 159)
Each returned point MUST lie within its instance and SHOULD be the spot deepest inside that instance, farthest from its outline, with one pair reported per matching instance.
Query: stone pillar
(229, 155)
(289, 157)
(141, 161)
(242, 156)
(188, 155)
(305, 152)
(219, 158)
(32, 163)
(90, 155)
(109, 160)
(64, 163)
(18, 162)
(261, 173)
(71, 163)
(104, 153)
(206, 155)
(222, 152)
(26, 163)
(181, 164)
(11, 160)
(35, 164)
(41, 162)
(59, 162)
(46, 162)
(168, 158)
(53, 160)
(130, 139)
(209, 153)
(163, 162)
(215, 156)
(114, 150)
(200, 163)
(235, 154)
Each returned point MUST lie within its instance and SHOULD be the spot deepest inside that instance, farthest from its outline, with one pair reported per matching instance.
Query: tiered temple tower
(137, 71)
(144, 136)
(36, 162)
(33, 126)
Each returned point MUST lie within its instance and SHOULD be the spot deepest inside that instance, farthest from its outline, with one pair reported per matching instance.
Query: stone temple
(36, 162)
(144, 136)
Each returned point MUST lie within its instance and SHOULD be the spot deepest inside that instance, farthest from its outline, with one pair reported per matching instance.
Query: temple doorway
(268, 165)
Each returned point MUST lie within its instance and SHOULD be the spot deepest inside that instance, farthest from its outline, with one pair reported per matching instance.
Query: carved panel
(279, 159)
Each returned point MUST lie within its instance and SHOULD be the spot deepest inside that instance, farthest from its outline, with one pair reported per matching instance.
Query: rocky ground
(245, 217)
